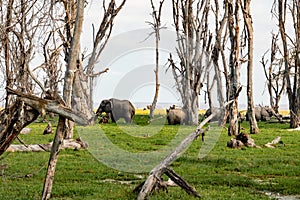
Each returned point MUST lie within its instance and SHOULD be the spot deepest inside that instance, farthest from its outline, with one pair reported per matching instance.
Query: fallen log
(66, 144)
(273, 143)
(154, 179)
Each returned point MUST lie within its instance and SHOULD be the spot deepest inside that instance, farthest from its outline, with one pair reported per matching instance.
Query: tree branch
(54, 106)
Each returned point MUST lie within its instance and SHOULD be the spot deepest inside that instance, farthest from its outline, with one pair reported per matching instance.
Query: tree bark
(11, 126)
(55, 106)
(69, 79)
(58, 140)
(156, 27)
(292, 73)
(248, 22)
(234, 65)
(66, 144)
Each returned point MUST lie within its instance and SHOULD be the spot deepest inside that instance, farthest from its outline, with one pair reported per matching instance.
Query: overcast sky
(124, 59)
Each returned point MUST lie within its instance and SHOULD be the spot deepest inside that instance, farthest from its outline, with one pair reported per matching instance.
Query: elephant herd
(116, 109)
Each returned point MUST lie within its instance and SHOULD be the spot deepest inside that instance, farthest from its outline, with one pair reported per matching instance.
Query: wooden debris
(54, 106)
(154, 179)
(242, 139)
(273, 143)
(67, 144)
(234, 143)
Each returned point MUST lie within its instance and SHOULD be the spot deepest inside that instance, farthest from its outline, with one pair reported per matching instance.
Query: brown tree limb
(180, 182)
(54, 106)
(99, 73)
(158, 171)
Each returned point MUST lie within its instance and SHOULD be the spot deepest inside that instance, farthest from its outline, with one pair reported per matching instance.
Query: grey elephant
(117, 109)
(175, 116)
(262, 113)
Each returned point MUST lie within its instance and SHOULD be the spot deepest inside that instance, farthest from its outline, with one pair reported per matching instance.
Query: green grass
(224, 173)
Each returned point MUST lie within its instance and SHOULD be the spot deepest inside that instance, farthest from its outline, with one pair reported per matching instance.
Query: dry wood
(58, 140)
(290, 43)
(245, 5)
(156, 173)
(194, 51)
(180, 182)
(63, 127)
(156, 25)
(54, 106)
(274, 73)
(234, 65)
(273, 143)
(66, 144)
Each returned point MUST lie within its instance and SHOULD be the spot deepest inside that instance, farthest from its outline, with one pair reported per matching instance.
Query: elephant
(262, 113)
(117, 109)
(175, 116)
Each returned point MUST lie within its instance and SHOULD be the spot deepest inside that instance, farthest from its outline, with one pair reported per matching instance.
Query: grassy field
(247, 173)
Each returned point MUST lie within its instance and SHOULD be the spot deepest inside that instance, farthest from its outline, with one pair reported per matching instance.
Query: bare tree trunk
(217, 50)
(248, 22)
(69, 78)
(156, 25)
(59, 137)
(292, 72)
(234, 65)
(296, 11)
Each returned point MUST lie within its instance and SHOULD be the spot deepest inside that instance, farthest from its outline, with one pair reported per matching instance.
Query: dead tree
(285, 10)
(245, 5)
(193, 50)
(67, 96)
(218, 50)
(274, 73)
(156, 26)
(21, 23)
(234, 64)
(110, 11)
(75, 84)
(17, 47)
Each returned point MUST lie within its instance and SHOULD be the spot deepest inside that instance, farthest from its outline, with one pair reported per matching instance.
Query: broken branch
(54, 106)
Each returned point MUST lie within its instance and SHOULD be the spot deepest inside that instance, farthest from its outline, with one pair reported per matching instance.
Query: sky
(131, 59)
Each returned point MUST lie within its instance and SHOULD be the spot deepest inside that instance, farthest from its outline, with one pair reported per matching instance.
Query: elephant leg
(131, 118)
(113, 118)
(127, 119)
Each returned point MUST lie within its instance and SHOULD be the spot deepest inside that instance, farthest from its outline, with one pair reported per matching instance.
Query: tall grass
(247, 173)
